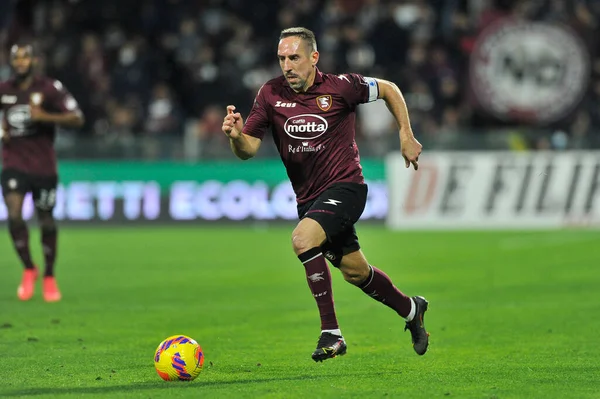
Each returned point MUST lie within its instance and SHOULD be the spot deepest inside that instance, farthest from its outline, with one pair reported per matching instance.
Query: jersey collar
(13, 81)
(318, 79)
(318, 76)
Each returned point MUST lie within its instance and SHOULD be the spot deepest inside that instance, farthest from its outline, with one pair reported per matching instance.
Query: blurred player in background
(32, 107)
(312, 117)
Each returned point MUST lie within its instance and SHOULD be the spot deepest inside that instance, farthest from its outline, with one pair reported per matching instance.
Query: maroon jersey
(31, 146)
(314, 131)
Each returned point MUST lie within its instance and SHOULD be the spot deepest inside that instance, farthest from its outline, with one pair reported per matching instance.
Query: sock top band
(310, 254)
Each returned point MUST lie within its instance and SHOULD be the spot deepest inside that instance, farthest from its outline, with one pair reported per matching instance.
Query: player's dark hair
(305, 34)
(26, 44)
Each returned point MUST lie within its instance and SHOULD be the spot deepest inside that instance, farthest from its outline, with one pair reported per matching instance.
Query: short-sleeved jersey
(314, 131)
(31, 146)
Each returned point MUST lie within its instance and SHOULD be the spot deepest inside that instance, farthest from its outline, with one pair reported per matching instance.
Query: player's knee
(14, 211)
(302, 242)
(308, 234)
(47, 224)
(15, 216)
(48, 227)
(15, 221)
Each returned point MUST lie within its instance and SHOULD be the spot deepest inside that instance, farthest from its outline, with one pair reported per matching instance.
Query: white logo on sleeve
(71, 103)
(332, 202)
(316, 277)
(344, 77)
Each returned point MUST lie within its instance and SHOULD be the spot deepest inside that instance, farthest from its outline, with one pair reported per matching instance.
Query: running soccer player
(32, 106)
(312, 117)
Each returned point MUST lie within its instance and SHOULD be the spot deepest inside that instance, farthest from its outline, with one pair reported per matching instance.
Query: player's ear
(315, 57)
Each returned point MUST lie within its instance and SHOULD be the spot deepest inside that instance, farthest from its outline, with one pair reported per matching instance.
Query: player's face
(22, 61)
(297, 61)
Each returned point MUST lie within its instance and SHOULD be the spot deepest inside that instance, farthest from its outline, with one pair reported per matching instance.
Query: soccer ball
(178, 358)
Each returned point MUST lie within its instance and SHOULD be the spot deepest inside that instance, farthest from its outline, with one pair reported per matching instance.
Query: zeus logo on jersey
(305, 126)
(284, 104)
(6, 99)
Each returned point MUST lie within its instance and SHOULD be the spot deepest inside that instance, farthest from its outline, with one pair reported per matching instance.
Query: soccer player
(32, 106)
(312, 117)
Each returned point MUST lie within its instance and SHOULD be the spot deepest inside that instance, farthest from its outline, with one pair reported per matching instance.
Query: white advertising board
(495, 190)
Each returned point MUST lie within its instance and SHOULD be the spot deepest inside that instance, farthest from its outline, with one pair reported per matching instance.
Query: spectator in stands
(201, 50)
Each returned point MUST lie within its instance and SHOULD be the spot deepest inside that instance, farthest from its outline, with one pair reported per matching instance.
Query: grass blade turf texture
(513, 315)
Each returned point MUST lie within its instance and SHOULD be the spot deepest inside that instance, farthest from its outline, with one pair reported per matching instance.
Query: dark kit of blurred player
(312, 118)
(32, 107)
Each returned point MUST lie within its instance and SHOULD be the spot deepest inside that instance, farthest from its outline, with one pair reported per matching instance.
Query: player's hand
(411, 149)
(37, 113)
(233, 123)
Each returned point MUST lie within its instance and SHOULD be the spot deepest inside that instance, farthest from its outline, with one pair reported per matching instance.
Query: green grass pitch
(512, 315)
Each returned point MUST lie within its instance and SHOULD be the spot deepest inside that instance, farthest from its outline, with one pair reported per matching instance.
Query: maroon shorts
(337, 209)
(42, 188)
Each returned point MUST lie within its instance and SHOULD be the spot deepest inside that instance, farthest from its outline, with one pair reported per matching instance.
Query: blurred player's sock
(319, 281)
(379, 287)
(20, 238)
(51, 291)
(49, 247)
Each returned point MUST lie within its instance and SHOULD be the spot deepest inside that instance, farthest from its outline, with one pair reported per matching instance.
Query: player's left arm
(394, 100)
(69, 114)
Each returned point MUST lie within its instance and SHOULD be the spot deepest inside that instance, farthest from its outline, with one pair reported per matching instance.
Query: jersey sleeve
(257, 122)
(60, 99)
(358, 89)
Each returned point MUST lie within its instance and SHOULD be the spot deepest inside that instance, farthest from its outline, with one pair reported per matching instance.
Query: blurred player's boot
(420, 337)
(26, 289)
(51, 292)
(329, 346)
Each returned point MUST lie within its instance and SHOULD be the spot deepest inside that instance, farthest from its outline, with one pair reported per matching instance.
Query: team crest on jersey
(324, 102)
(36, 98)
(19, 116)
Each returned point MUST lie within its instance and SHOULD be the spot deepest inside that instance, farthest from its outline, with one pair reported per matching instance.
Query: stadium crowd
(163, 70)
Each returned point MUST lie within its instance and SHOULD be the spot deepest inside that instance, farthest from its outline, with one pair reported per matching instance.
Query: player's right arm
(245, 139)
(243, 145)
